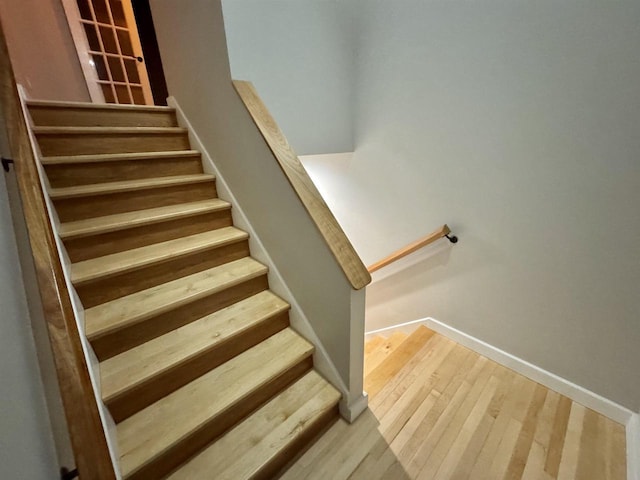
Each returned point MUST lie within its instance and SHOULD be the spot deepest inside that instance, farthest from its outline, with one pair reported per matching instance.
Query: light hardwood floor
(441, 411)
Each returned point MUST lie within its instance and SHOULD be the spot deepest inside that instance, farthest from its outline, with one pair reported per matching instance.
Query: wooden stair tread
(117, 157)
(127, 185)
(246, 449)
(376, 379)
(153, 431)
(116, 263)
(107, 130)
(382, 351)
(137, 365)
(131, 309)
(98, 106)
(121, 221)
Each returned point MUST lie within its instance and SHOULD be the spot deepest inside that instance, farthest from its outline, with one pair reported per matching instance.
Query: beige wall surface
(44, 58)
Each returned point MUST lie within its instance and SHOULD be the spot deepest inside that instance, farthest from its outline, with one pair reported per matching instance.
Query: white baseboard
(575, 392)
(351, 411)
(406, 327)
(633, 447)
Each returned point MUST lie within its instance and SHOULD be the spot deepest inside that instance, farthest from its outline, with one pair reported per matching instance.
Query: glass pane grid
(109, 40)
(99, 61)
(100, 24)
(118, 68)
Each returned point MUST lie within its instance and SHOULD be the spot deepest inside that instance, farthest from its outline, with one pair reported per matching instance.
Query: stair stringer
(108, 423)
(354, 399)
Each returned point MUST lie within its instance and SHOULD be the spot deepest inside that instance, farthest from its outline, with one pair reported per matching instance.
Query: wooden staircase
(198, 365)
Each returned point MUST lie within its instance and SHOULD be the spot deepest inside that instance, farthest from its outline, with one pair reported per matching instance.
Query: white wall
(518, 124)
(299, 56)
(26, 442)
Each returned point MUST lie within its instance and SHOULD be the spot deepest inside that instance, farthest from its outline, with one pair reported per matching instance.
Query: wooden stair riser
(55, 116)
(217, 426)
(113, 343)
(55, 144)
(71, 209)
(115, 171)
(93, 246)
(104, 289)
(139, 397)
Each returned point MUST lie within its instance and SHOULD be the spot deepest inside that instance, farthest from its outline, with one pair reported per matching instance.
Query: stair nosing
(116, 157)
(306, 350)
(116, 325)
(112, 188)
(115, 269)
(48, 130)
(283, 306)
(151, 219)
(99, 106)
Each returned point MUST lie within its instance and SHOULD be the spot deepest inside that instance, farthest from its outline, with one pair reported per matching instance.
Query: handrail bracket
(6, 162)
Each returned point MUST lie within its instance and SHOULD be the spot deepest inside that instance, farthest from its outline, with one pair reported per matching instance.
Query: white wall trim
(633, 447)
(350, 407)
(351, 411)
(406, 327)
(575, 392)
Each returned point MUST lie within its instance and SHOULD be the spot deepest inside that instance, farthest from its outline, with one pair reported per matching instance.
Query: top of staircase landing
(101, 106)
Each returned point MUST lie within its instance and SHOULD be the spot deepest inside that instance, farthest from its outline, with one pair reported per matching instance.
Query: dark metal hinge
(6, 162)
(66, 474)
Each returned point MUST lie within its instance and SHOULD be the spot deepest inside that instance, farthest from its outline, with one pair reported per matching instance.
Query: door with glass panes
(108, 45)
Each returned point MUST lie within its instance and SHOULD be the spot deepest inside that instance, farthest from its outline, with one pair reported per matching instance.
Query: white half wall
(194, 56)
(299, 56)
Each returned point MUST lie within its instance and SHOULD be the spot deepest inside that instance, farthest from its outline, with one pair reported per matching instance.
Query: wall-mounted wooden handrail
(87, 435)
(443, 231)
(304, 187)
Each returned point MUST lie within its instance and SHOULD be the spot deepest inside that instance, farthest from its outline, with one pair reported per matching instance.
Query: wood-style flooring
(437, 410)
